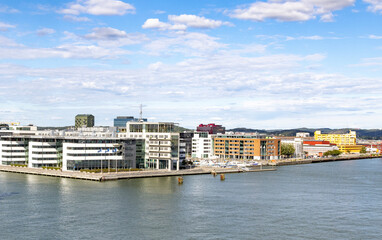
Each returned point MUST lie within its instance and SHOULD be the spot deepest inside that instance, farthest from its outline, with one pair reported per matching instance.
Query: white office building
(161, 145)
(68, 153)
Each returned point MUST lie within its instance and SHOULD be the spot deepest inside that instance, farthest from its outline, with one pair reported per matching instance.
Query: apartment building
(246, 147)
(202, 145)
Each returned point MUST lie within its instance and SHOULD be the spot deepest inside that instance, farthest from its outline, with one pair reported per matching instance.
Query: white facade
(68, 153)
(162, 147)
(318, 150)
(94, 154)
(43, 153)
(13, 151)
(202, 146)
(302, 134)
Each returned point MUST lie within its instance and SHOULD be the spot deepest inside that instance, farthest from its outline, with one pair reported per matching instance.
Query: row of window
(93, 154)
(14, 151)
(4, 156)
(45, 153)
(45, 159)
(14, 145)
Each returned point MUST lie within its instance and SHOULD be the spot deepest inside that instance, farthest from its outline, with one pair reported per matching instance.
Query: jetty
(126, 175)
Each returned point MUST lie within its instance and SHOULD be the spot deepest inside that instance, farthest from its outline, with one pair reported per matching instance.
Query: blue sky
(258, 64)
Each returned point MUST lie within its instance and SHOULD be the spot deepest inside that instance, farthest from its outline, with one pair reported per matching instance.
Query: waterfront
(334, 200)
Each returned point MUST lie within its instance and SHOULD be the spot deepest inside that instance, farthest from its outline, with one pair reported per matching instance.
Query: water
(337, 200)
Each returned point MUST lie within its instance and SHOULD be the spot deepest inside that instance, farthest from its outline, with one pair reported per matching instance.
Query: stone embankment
(268, 166)
(125, 175)
(293, 161)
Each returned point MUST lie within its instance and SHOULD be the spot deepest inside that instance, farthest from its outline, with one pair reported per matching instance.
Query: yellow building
(345, 142)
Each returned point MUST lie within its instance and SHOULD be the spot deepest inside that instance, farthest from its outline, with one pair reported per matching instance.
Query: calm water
(338, 200)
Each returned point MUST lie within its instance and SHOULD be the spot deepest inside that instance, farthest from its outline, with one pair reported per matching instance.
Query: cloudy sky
(258, 64)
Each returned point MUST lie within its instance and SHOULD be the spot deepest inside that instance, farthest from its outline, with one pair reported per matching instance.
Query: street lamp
(115, 155)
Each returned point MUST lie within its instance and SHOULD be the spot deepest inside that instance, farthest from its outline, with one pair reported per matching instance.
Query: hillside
(375, 134)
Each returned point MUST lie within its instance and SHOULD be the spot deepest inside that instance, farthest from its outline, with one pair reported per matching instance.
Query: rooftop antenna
(140, 113)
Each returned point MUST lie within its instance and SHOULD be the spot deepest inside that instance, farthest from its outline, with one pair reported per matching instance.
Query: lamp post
(115, 155)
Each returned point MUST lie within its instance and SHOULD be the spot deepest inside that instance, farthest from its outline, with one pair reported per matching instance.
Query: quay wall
(285, 162)
(124, 175)
(268, 166)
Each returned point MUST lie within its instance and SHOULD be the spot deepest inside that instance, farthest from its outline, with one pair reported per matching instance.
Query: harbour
(335, 200)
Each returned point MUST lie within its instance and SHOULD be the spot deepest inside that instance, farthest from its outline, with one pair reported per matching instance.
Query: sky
(267, 64)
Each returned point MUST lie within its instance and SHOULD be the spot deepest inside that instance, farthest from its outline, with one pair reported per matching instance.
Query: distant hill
(181, 129)
(373, 134)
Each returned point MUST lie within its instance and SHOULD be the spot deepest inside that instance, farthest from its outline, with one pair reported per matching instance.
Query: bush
(363, 150)
(105, 170)
(51, 168)
(19, 165)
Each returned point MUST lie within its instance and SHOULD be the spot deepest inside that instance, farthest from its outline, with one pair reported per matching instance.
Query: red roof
(318, 142)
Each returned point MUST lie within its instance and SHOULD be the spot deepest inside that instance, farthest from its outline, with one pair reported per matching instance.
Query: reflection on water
(338, 200)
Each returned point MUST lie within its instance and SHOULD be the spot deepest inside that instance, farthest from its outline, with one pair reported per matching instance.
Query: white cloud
(293, 38)
(189, 44)
(375, 5)
(6, 42)
(195, 21)
(155, 66)
(154, 23)
(98, 7)
(288, 10)
(45, 31)
(375, 37)
(159, 12)
(62, 51)
(6, 9)
(243, 90)
(5, 26)
(182, 22)
(76, 19)
(106, 33)
(107, 36)
(368, 62)
(314, 37)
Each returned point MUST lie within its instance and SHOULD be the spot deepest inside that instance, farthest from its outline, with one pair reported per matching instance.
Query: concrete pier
(123, 175)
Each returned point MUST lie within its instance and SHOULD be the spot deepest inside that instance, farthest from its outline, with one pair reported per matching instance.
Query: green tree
(363, 150)
(332, 153)
(287, 149)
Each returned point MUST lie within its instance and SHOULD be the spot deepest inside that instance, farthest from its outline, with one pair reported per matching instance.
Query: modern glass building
(122, 120)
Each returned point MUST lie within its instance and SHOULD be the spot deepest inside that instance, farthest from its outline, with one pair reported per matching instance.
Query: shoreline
(292, 161)
(267, 166)
(126, 175)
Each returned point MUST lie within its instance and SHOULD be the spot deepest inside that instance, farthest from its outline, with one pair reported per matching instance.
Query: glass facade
(174, 146)
(140, 153)
(76, 165)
